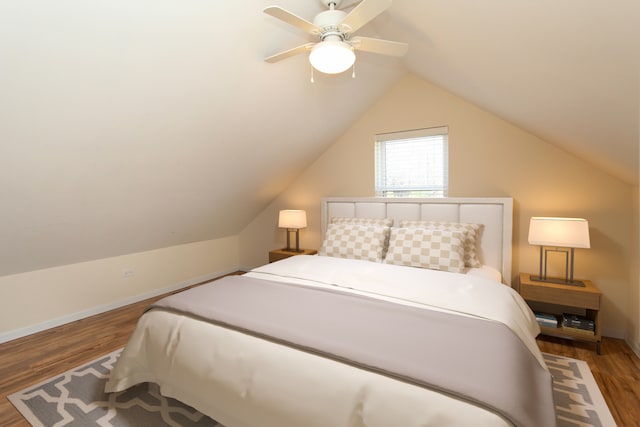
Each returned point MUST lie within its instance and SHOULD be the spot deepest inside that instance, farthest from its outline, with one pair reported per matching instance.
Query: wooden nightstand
(586, 298)
(278, 254)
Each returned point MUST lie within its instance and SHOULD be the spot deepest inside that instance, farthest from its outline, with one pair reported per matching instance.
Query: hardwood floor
(34, 358)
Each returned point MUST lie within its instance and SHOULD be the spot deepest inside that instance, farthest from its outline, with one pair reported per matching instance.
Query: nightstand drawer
(560, 294)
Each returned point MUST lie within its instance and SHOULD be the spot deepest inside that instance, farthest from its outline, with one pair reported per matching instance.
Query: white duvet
(243, 381)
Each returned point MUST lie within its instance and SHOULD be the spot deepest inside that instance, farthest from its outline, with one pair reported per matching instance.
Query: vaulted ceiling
(131, 125)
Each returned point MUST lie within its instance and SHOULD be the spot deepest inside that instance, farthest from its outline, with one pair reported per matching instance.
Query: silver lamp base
(568, 269)
(577, 283)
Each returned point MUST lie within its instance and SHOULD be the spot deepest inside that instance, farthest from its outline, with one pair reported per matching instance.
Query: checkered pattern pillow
(366, 242)
(381, 222)
(471, 236)
(426, 248)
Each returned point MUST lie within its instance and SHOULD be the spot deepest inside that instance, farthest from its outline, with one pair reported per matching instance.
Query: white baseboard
(23, 332)
(635, 346)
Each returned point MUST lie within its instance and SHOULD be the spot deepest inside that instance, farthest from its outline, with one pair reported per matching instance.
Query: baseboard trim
(39, 327)
(635, 346)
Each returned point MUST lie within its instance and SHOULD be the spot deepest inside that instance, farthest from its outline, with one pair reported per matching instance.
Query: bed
(362, 361)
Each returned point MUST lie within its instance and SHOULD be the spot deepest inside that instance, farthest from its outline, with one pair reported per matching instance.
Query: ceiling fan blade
(290, 18)
(383, 47)
(287, 53)
(363, 13)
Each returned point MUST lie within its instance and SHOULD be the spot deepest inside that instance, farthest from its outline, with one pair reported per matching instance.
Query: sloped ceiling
(567, 71)
(132, 125)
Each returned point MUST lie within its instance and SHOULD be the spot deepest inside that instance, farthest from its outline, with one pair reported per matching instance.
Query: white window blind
(412, 163)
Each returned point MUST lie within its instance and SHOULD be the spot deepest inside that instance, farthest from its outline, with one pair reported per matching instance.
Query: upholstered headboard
(496, 215)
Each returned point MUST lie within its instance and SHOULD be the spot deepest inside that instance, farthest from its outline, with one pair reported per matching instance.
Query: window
(412, 163)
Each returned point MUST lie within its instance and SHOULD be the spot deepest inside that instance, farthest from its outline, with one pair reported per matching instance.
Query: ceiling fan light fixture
(332, 57)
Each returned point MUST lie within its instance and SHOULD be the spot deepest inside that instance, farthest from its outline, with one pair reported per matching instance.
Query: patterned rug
(578, 399)
(76, 398)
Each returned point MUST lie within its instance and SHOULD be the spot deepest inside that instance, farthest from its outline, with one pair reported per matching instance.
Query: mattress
(240, 380)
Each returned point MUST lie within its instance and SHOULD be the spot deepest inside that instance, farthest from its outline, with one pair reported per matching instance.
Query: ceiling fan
(334, 51)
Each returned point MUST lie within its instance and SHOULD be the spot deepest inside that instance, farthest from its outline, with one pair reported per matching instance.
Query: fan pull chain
(353, 73)
(312, 81)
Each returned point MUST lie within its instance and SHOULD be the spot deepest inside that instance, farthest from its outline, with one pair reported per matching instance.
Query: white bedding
(242, 381)
(485, 272)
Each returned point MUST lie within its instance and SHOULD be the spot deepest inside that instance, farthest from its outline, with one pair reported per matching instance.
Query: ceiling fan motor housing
(329, 21)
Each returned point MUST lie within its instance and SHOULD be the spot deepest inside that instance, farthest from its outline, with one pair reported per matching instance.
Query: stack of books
(547, 320)
(578, 324)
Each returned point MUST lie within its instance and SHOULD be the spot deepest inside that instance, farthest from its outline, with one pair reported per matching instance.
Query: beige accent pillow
(365, 242)
(426, 248)
(381, 222)
(471, 236)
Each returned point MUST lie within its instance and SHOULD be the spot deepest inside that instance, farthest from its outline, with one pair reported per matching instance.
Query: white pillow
(365, 242)
(427, 248)
(471, 236)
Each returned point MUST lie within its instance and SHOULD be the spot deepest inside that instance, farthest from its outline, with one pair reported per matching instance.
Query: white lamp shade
(332, 57)
(291, 218)
(562, 232)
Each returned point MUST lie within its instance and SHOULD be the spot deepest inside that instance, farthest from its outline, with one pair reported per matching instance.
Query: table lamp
(558, 235)
(293, 221)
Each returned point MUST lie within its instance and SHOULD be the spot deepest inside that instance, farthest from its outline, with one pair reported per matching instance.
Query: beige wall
(633, 329)
(634, 294)
(487, 157)
(36, 300)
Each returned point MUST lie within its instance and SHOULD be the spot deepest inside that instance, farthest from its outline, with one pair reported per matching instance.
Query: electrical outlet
(128, 272)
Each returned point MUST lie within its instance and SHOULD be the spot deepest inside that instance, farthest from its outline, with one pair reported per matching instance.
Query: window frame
(425, 190)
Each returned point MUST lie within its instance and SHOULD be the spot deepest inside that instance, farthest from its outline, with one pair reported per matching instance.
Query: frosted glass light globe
(332, 57)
